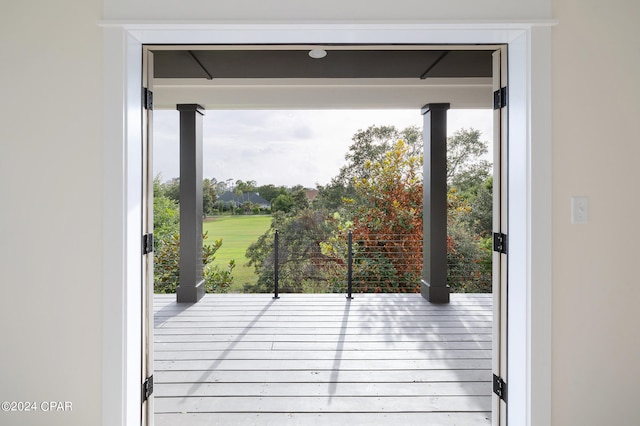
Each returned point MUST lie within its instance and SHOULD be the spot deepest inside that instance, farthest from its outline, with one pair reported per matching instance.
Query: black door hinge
(500, 388)
(147, 244)
(500, 242)
(147, 98)
(500, 98)
(147, 388)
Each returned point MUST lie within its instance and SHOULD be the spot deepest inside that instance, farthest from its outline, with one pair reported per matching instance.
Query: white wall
(51, 180)
(51, 209)
(596, 297)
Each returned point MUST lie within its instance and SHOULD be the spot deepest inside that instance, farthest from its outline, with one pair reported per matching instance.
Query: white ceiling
(323, 94)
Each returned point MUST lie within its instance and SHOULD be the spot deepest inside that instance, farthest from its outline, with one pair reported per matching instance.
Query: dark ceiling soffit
(195, 58)
(426, 73)
(338, 64)
(176, 64)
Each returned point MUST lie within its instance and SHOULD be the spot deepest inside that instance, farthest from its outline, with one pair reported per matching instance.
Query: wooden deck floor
(386, 359)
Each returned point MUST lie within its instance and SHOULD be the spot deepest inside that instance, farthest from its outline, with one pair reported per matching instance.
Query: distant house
(251, 197)
(311, 194)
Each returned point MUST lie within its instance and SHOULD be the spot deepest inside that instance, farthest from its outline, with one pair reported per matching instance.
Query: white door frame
(500, 225)
(529, 199)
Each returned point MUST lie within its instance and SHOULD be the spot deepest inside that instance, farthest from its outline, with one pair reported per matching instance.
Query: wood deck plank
(290, 355)
(457, 334)
(323, 419)
(322, 376)
(333, 339)
(442, 341)
(322, 389)
(317, 346)
(322, 364)
(321, 359)
(332, 404)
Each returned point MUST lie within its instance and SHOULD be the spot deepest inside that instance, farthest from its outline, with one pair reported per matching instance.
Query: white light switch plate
(579, 210)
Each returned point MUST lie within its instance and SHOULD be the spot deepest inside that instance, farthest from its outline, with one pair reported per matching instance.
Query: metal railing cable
(349, 264)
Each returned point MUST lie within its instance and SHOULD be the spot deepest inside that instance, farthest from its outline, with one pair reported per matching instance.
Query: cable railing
(371, 263)
(349, 263)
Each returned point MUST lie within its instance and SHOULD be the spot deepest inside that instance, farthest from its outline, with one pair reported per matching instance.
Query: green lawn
(237, 233)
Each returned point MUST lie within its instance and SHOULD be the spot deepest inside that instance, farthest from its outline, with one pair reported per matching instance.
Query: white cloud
(285, 147)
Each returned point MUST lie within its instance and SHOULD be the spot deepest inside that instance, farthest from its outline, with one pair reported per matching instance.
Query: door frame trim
(529, 49)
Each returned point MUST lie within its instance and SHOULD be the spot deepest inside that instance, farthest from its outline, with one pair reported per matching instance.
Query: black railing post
(275, 265)
(350, 266)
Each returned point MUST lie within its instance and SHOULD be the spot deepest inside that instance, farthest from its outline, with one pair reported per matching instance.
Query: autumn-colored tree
(368, 146)
(378, 195)
(387, 225)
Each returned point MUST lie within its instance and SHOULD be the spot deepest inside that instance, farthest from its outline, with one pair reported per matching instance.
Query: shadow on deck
(380, 359)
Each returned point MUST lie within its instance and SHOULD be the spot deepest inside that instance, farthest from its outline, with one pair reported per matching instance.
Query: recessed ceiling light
(318, 53)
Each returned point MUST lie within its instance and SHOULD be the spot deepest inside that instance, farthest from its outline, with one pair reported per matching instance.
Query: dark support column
(191, 288)
(434, 286)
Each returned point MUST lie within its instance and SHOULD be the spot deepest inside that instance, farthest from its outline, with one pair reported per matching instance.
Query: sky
(286, 147)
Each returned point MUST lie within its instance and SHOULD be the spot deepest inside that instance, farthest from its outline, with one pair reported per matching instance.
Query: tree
(368, 145)
(388, 224)
(246, 186)
(379, 194)
(209, 195)
(301, 262)
(466, 168)
(468, 253)
(172, 189)
(372, 144)
(481, 214)
(299, 197)
(167, 266)
(270, 192)
(166, 212)
(332, 195)
(282, 203)
(166, 230)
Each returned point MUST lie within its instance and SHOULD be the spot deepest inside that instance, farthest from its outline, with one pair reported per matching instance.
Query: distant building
(311, 194)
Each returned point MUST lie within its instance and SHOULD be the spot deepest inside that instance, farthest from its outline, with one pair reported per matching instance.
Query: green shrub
(167, 266)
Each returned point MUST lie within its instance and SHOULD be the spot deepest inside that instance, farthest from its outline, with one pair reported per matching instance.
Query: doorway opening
(200, 64)
(529, 192)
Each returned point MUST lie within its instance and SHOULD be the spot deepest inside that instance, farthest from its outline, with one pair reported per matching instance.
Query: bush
(167, 266)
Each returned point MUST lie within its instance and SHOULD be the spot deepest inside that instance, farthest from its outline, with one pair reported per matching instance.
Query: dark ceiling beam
(437, 61)
(195, 58)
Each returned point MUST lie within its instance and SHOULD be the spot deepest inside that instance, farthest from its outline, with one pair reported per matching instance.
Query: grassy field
(237, 233)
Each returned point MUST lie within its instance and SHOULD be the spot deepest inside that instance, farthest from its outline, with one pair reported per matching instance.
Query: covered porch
(321, 359)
